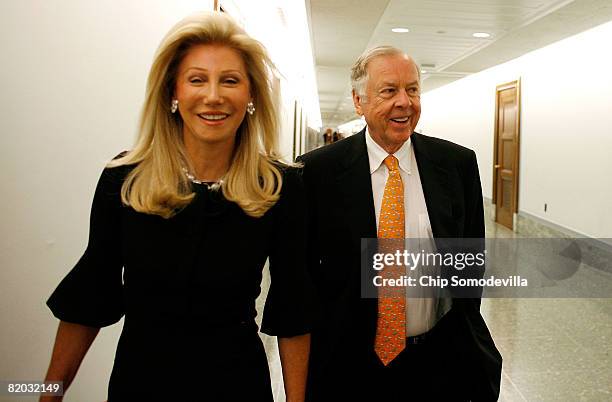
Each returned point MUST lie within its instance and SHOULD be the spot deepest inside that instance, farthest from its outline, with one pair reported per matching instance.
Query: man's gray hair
(359, 71)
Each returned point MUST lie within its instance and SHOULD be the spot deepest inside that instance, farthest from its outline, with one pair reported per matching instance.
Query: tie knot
(392, 163)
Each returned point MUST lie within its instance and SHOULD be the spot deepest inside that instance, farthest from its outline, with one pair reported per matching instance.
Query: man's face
(392, 102)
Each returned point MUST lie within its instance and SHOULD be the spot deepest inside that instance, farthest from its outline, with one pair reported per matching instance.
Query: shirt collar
(376, 154)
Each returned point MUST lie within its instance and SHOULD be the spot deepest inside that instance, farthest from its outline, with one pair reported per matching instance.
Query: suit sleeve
(312, 251)
(288, 307)
(92, 292)
(474, 228)
(474, 222)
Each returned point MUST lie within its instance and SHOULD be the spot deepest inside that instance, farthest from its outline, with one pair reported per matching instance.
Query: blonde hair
(157, 184)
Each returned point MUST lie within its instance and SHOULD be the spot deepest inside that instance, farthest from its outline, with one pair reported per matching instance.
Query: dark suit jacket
(341, 206)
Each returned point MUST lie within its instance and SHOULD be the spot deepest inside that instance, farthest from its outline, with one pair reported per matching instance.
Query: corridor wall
(566, 128)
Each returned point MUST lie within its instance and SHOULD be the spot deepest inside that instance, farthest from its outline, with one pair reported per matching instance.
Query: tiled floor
(553, 349)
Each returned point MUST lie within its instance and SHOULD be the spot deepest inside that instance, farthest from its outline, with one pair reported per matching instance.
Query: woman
(181, 227)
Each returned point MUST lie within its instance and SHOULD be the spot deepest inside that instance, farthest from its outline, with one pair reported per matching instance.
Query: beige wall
(566, 133)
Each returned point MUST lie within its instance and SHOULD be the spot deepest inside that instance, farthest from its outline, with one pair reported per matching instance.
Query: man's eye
(388, 90)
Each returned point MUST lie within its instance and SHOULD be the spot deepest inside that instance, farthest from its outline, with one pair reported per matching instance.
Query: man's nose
(403, 99)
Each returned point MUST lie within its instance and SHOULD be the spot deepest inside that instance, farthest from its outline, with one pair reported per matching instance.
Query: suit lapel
(355, 185)
(436, 186)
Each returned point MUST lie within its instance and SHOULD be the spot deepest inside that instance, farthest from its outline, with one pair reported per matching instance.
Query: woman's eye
(231, 81)
(195, 80)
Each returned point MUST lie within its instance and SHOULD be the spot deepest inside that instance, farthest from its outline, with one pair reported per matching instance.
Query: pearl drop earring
(250, 108)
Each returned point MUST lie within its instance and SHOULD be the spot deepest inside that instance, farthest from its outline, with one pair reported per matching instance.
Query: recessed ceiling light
(400, 30)
(481, 35)
(423, 71)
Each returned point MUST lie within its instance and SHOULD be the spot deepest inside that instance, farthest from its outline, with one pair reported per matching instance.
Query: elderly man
(428, 349)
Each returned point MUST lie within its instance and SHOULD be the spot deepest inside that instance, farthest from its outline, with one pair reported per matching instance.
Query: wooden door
(506, 158)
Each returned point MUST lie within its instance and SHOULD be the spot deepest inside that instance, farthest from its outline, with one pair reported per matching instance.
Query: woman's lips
(213, 116)
(213, 119)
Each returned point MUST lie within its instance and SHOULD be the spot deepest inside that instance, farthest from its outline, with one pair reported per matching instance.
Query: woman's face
(213, 89)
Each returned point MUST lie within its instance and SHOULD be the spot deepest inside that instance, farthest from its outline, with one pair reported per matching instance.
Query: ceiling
(440, 37)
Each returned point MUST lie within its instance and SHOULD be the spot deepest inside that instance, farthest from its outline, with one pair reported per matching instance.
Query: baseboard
(595, 252)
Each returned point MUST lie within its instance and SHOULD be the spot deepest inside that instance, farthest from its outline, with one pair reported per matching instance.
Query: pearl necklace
(209, 185)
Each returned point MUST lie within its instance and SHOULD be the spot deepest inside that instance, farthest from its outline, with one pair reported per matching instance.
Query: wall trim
(605, 242)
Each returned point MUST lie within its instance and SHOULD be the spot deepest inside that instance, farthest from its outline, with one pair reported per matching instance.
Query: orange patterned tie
(391, 324)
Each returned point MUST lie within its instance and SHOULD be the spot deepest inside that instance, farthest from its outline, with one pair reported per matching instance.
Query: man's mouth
(400, 119)
(213, 117)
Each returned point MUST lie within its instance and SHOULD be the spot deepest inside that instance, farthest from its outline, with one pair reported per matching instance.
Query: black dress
(187, 287)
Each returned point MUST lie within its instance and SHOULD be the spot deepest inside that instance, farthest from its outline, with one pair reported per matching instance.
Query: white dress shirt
(420, 312)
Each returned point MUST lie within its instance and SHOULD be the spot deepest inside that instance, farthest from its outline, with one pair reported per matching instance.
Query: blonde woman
(181, 227)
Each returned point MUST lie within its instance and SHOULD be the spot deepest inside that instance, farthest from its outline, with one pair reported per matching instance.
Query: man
(438, 351)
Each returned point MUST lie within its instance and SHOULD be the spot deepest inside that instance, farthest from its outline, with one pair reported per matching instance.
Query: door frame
(517, 136)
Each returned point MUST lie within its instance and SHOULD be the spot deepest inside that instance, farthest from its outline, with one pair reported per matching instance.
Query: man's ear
(357, 101)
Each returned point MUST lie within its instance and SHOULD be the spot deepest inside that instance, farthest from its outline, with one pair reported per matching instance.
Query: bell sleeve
(92, 292)
(289, 305)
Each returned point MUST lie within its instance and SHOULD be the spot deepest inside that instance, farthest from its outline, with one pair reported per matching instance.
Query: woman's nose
(212, 93)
